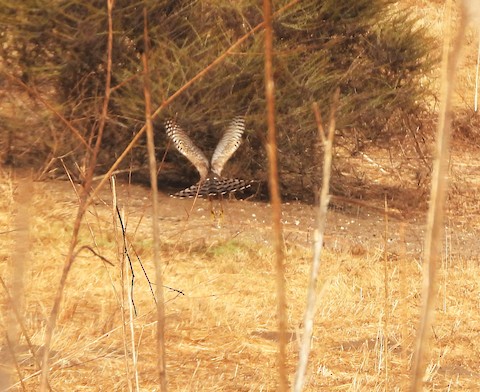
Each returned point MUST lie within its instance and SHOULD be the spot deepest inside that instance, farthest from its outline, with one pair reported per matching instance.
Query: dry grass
(221, 327)
(221, 333)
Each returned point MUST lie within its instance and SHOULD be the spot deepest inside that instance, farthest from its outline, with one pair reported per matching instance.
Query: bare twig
(318, 119)
(84, 202)
(34, 93)
(318, 235)
(477, 69)
(386, 299)
(155, 228)
(275, 198)
(132, 311)
(433, 236)
(373, 163)
(394, 214)
(122, 255)
(403, 294)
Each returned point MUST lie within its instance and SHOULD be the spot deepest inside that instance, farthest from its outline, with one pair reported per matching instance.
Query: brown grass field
(220, 304)
(221, 328)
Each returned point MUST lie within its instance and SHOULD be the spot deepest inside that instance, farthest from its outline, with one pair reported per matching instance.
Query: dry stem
(275, 198)
(386, 291)
(317, 243)
(84, 202)
(433, 236)
(155, 228)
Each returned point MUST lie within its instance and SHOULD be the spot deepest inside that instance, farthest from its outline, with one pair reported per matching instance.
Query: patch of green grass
(227, 250)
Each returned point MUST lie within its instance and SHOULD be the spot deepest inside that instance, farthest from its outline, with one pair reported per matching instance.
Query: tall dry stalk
(82, 208)
(16, 294)
(403, 294)
(318, 235)
(128, 283)
(160, 336)
(275, 198)
(433, 236)
(121, 250)
(386, 313)
(20, 254)
(477, 75)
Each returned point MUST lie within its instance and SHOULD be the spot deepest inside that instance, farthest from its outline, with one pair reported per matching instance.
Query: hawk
(211, 184)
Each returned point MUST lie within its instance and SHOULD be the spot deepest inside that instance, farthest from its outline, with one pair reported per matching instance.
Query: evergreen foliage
(373, 50)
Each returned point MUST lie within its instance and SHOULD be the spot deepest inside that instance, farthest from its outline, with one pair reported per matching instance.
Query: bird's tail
(214, 187)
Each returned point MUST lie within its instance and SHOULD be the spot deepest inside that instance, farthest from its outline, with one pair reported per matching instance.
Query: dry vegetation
(221, 330)
(220, 304)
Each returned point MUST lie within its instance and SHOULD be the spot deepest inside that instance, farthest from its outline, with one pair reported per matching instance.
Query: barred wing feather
(187, 148)
(231, 140)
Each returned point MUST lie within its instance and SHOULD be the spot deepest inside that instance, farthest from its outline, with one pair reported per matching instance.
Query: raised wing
(228, 144)
(186, 147)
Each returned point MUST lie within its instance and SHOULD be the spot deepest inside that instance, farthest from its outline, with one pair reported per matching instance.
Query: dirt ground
(220, 294)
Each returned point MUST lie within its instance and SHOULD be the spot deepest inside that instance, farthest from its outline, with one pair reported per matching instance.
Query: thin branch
(318, 119)
(433, 235)
(94, 252)
(477, 75)
(386, 312)
(403, 295)
(275, 198)
(161, 362)
(132, 312)
(33, 92)
(318, 235)
(82, 208)
(122, 255)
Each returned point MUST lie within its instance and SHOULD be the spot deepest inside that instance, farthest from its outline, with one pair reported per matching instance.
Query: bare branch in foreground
(82, 208)
(152, 163)
(275, 198)
(386, 313)
(433, 235)
(317, 247)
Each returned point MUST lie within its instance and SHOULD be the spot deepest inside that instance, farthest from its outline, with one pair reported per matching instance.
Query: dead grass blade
(317, 242)
(160, 336)
(386, 313)
(433, 236)
(122, 256)
(82, 208)
(403, 294)
(131, 310)
(477, 75)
